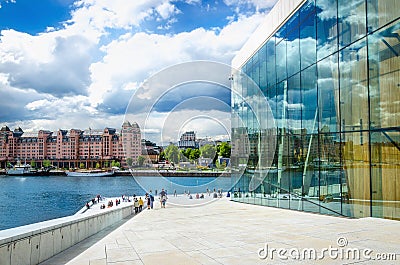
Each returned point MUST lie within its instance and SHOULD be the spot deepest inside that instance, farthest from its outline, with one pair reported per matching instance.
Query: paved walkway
(225, 232)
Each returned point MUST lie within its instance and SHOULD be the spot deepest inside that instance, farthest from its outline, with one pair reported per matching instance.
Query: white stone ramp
(225, 232)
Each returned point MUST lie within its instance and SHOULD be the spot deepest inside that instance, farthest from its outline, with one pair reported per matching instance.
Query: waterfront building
(329, 71)
(71, 148)
(188, 140)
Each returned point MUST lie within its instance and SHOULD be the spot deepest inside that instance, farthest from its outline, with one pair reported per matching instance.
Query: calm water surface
(27, 200)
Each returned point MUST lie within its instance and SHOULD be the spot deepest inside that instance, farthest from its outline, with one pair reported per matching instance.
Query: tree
(141, 160)
(194, 154)
(115, 164)
(208, 151)
(46, 163)
(33, 163)
(98, 165)
(81, 165)
(162, 156)
(224, 150)
(129, 161)
(106, 164)
(172, 153)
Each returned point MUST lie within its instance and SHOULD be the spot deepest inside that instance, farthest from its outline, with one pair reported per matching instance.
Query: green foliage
(162, 156)
(46, 163)
(81, 165)
(33, 163)
(98, 165)
(129, 161)
(172, 153)
(106, 164)
(194, 154)
(140, 160)
(224, 150)
(208, 151)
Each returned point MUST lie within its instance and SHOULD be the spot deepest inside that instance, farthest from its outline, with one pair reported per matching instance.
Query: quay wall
(35, 243)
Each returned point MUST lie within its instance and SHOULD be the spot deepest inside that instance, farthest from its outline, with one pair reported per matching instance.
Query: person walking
(136, 205)
(148, 201)
(163, 198)
(140, 204)
(151, 200)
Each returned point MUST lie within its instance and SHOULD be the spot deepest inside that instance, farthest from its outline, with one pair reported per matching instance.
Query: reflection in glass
(351, 16)
(336, 104)
(354, 87)
(326, 27)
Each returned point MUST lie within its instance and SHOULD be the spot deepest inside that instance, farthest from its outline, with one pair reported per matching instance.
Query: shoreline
(145, 173)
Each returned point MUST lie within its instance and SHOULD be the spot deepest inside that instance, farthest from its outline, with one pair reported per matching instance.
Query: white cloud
(166, 10)
(102, 14)
(133, 58)
(258, 4)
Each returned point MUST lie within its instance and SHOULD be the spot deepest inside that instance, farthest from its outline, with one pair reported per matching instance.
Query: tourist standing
(151, 200)
(140, 204)
(163, 198)
(136, 205)
(148, 201)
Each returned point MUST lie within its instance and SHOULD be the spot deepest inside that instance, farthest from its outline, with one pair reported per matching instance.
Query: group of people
(138, 204)
(94, 200)
(150, 199)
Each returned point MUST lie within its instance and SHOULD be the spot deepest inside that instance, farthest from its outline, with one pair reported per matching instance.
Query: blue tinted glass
(293, 52)
(271, 72)
(263, 68)
(294, 107)
(351, 17)
(292, 23)
(326, 27)
(328, 87)
(307, 9)
(255, 76)
(281, 73)
(308, 43)
(281, 99)
(309, 99)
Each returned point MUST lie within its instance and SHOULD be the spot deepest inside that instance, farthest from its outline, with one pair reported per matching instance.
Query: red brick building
(70, 148)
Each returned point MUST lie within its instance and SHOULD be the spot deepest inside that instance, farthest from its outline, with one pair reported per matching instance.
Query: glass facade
(331, 78)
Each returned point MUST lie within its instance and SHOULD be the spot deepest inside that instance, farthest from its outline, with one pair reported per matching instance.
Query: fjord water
(27, 200)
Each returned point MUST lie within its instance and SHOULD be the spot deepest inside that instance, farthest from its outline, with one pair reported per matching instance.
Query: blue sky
(74, 64)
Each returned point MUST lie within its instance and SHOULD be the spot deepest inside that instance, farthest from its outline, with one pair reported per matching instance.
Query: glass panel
(354, 87)
(357, 173)
(308, 48)
(281, 73)
(326, 27)
(352, 21)
(271, 72)
(381, 12)
(328, 94)
(330, 173)
(385, 179)
(307, 9)
(255, 71)
(384, 66)
(308, 98)
(294, 104)
(293, 47)
(263, 69)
